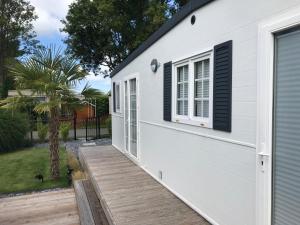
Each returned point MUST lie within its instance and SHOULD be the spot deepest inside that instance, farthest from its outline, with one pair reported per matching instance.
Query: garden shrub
(64, 130)
(108, 125)
(42, 130)
(14, 127)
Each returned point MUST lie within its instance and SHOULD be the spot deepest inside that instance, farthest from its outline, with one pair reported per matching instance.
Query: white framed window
(118, 98)
(201, 91)
(193, 90)
(182, 83)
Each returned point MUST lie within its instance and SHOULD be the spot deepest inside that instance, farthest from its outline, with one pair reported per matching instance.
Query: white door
(286, 130)
(278, 120)
(131, 117)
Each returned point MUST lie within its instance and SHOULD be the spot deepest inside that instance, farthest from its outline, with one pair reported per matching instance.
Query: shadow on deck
(130, 196)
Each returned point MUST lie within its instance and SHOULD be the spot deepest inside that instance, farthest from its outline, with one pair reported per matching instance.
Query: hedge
(13, 129)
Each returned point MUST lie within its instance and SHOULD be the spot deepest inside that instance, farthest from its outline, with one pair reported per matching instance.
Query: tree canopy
(16, 34)
(102, 33)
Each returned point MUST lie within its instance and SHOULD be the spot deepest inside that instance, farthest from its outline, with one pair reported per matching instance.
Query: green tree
(16, 36)
(102, 105)
(102, 33)
(50, 73)
(174, 6)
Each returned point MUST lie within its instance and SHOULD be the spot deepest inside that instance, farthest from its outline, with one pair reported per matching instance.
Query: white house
(209, 105)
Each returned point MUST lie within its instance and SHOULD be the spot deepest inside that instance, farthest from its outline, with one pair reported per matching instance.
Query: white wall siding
(218, 180)
(118, 131)
(214, 171)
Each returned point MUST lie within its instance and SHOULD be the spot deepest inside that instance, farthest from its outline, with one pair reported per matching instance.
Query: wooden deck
(48, 208)
(129, 196)
(89, 207)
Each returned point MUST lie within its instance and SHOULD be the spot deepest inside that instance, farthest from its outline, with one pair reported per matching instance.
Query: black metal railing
(88, 128)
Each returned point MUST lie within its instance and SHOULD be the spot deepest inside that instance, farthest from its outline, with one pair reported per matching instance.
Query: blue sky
(50, 13)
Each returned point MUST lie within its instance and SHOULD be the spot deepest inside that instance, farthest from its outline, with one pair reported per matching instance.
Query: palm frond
(17, 102)
(52, 74)
(44, 107)
(89, 92)
(50, 57)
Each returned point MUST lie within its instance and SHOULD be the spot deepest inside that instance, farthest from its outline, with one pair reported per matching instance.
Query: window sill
(197, 123)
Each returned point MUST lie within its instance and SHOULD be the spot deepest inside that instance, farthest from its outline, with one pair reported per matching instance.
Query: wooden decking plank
(44, 218)
(57, 207)
(40, 196)
(28, 204)
(85, 214)
(96, 208)
(90, 210)
(131, 196)
(36, 211)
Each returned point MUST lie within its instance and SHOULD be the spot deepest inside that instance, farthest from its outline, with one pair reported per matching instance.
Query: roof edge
(190, 7)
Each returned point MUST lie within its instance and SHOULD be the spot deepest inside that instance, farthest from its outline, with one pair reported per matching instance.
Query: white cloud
(50, 13)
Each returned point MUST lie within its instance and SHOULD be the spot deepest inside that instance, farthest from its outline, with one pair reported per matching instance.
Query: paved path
(48, 208)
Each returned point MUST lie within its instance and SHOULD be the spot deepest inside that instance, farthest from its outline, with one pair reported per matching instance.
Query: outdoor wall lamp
(154, 65)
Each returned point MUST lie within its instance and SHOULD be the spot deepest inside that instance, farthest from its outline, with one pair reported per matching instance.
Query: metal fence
(89, 129)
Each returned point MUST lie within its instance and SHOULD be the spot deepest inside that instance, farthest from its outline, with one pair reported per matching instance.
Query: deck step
(89, 207)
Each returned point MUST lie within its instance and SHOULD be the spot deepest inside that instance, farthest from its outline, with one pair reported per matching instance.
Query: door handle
(263, 154)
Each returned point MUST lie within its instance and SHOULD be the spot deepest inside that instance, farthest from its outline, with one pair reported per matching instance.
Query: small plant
(73, 163)
(108, 125)
(42, 130)
(78, 175)
(74, 168)
(64, 131)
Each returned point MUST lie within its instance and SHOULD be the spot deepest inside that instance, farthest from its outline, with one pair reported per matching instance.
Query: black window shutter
(168, 91)
(222, 86)
(114, 97)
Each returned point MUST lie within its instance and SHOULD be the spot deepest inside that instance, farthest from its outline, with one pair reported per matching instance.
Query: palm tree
(50, 73)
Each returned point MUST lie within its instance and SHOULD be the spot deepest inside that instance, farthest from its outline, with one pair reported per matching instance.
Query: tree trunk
(54, 143)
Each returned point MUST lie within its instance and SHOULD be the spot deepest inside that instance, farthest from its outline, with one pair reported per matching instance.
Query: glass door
(126, 111)
(286, 132)
(131, 117)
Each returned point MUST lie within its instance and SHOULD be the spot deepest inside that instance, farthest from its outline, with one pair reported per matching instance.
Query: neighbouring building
(87, 110)
(209, 105)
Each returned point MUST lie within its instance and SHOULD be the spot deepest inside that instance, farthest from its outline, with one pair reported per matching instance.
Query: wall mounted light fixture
(154, 65)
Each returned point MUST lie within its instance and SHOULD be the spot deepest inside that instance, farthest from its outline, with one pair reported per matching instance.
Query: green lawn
(18, 169)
